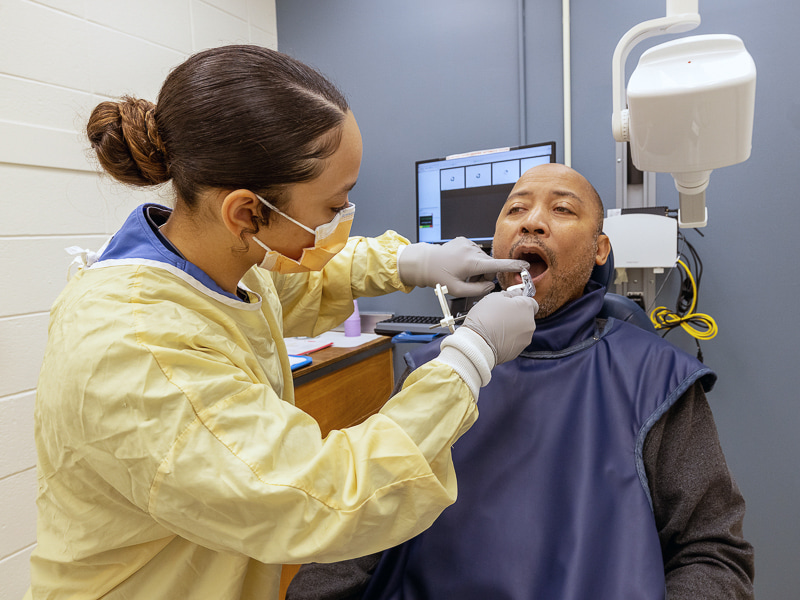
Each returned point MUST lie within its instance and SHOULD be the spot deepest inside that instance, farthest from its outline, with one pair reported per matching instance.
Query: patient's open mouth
(538, 263)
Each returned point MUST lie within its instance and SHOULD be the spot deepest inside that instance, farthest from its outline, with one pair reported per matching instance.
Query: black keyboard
(412, 323)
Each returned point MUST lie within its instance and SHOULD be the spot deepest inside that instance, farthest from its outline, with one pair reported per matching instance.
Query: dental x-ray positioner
(687, 110)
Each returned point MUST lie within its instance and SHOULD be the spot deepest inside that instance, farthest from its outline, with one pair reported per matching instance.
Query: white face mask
(329, 239)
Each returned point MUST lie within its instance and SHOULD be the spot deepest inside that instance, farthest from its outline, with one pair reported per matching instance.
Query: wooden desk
(344, 386)
(341, 388)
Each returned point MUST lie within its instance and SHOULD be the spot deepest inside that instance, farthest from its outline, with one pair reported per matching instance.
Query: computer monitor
(461, 195)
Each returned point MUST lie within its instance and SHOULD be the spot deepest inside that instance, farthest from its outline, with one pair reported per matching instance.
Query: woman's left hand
(459, 264)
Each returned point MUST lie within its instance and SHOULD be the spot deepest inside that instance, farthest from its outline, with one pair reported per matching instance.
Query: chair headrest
(625, 309)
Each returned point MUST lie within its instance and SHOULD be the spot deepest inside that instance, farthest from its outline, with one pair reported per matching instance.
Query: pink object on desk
(352, 326)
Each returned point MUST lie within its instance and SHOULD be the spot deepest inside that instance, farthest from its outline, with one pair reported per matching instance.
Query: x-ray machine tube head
(690, 107)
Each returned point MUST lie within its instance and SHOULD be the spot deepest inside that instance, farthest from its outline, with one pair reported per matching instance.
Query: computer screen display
(461, 195)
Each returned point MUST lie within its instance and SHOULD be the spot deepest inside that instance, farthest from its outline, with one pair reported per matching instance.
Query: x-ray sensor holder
(448, 320)
(527, 287)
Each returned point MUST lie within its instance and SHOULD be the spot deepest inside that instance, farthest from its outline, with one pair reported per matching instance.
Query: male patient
(594, 470)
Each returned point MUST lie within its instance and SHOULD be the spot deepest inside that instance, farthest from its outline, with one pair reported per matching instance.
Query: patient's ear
(603, 249)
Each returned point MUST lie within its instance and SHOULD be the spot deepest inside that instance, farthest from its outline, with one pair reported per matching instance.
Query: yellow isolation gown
(172, 462)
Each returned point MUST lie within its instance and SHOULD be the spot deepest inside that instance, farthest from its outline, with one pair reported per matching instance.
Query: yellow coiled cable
(663, 318)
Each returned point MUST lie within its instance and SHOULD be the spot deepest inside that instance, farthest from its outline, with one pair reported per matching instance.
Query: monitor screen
(461, 195)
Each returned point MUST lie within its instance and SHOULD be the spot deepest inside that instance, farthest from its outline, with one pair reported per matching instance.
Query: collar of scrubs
(156, 217)
(137, 242)
(571, 324)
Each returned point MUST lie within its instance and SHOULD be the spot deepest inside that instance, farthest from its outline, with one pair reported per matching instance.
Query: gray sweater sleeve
(698, 507)
(345, 580)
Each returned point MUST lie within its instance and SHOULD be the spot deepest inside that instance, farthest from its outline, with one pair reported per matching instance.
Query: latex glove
(505, 322)
(495, 331)
(460, 265)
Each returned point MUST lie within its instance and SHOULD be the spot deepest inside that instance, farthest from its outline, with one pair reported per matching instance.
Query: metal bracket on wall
(635, 189)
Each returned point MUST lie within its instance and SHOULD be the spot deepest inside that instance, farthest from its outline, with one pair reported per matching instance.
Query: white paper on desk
(338, 338)
(303, 345)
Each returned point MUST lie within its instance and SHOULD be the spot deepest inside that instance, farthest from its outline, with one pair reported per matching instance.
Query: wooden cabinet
(343, 386)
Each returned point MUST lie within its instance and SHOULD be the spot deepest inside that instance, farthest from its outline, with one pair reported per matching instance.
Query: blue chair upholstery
(615, 305)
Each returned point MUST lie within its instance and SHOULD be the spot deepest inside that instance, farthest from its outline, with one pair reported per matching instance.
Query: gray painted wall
(433, 77)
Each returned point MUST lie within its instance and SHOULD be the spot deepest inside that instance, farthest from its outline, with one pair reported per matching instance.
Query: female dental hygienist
(172, 462)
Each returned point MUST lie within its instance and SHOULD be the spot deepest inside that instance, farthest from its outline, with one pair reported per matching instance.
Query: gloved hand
(495, 331)
(505, 321)
(452, 264)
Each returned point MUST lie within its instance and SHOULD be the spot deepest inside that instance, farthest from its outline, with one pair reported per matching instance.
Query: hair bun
(125, 137)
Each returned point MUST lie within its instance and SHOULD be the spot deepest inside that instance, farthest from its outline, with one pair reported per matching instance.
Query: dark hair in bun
(125, 137)
(228, 118)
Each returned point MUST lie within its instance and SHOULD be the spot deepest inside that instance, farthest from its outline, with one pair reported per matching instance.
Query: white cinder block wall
(58, 59)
